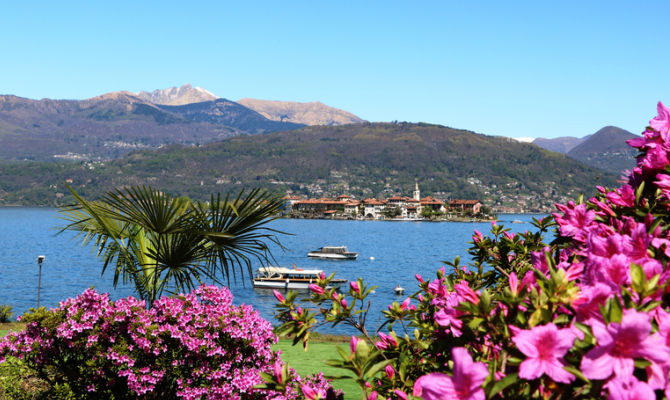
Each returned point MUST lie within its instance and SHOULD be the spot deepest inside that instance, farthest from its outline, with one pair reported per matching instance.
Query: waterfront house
(319, 205)
(433, 204)
(473, 206)
(352, 207)
(373, 208)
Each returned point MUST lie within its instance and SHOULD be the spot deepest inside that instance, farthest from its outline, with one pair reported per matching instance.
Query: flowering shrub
(586, 316)
(193, 346)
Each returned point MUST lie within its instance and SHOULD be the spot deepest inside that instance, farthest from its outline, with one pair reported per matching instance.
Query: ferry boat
(333, 253)
(272, 277)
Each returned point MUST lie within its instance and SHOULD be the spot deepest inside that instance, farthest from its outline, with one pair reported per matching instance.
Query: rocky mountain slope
(176, 96)
(114, 124)
(606, 150)
(313, 113)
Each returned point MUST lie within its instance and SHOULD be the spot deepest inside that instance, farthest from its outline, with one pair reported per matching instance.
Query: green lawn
(7, 327)
(312, 361)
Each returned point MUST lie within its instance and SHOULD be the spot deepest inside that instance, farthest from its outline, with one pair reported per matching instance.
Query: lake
(390, 253)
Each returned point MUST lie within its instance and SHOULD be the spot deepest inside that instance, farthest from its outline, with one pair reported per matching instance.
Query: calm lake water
(390, 253)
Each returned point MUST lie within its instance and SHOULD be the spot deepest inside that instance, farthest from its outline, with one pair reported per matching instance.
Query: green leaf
(502, 384)
(615, 311)
(475, 322)
(374, 369)
(576, 372)
(638, 278)
(535, 317)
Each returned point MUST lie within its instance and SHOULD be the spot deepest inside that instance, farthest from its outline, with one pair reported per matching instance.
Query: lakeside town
(396, 208)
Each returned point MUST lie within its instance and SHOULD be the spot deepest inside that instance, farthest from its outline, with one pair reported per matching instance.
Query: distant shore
(337, 218)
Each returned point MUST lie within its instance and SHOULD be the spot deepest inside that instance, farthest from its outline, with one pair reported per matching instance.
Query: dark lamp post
(40, 259)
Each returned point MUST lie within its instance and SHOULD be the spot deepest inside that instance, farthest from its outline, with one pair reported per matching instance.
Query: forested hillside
(363, 160)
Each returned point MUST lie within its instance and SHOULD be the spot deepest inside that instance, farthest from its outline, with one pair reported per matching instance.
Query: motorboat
(273, 277)
(333, 253)
(399, 290)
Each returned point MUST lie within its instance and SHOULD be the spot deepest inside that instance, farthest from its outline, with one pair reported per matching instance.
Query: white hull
(332, 256)
(283, 285)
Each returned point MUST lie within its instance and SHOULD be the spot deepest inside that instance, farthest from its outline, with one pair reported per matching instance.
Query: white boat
(272, 277)
(333, 253)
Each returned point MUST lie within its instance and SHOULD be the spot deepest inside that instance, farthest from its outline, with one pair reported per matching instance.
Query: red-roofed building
(432, 203)
(473, 206)
(373, 208)
(318, 205)
(291, 200)
(352, 207)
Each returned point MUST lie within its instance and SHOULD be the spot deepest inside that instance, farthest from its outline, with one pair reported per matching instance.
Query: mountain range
(188, 141)
(606, 149)
(113, 124)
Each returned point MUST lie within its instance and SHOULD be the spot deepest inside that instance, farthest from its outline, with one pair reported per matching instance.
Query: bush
(586, 316)
(194, 346)
(6, 313)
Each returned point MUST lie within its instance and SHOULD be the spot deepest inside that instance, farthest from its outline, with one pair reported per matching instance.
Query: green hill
(364, 160)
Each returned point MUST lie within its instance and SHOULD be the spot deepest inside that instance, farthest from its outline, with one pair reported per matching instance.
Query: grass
(312, 361)
(6, 327)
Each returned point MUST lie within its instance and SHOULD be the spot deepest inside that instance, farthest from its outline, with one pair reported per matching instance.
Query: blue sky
(518, 69)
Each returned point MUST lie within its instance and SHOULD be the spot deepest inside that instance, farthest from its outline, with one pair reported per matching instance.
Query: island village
(396, 208)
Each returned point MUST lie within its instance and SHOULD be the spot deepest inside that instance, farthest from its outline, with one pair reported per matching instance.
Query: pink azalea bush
(191, 346)
(586, 316)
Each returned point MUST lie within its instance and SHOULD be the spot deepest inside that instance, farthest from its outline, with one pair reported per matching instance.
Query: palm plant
(162, 243)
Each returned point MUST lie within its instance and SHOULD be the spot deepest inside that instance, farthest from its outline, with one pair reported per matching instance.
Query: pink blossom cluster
(191, 346)
(592, 307)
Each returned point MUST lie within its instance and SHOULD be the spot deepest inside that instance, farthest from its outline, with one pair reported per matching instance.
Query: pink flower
(466, 383)
(545, 347)
(309, 393)
(466, 292)
(575, 220)
(354, 286)
(401, 395)
(435, 386)
(405, 304)
(477, 237)
(353, 343)
(390, 372)
(277, 369)
(278, 296)
(624, 196)
(619, 344)
(513, 283)
(661, 122)
(316, 288)
(372, 396)
(385, 341)
(631, 389)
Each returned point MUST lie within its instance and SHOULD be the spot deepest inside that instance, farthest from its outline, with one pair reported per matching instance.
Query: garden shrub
(585, 316)
(6, 313)
(192, 346)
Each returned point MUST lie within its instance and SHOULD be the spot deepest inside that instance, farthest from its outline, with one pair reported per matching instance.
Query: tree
(162, 243)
